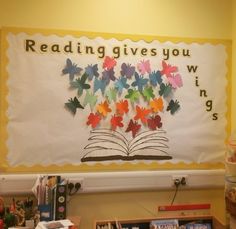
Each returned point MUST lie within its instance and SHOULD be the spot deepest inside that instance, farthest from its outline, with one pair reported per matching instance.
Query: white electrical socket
(76, 180)
(183, 179)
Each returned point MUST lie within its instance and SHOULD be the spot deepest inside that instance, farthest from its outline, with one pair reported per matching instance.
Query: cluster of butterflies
(134, 82)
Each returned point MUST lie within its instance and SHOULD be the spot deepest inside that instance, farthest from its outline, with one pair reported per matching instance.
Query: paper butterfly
(80, 84)
(127, 70)
(133, 95)
(108, 75)
(173, 106)
(165, 90)
(141, 113)
(109, 63)
(157, 104)
(148, 93)
(154, 122)
(121, 84)
(139, 82)
(90, 99)
(93, 120)
(103, 108)
(111, 94)
(175, 81)
(167, 69)
(73, 104)
(134, 127)
(71, 69)
(122, 107)
(144, 67)
(116, 121)
(155, 78)
(91, 71)
(99, 84)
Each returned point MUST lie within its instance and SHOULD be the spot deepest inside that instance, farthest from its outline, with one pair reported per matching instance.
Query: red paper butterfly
(168, 69)
(109, 63)
(134, 127)
(154, 122)
(93, 120)
(141, 113)
(116, 121)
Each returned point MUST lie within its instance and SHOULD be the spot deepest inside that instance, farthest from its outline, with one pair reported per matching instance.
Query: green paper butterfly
(80, 84)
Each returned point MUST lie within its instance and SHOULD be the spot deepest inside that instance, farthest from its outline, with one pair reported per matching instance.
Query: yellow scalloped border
(99, 167)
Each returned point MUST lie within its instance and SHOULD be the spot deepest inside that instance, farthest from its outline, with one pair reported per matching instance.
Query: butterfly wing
(68, 67)
(123, 69)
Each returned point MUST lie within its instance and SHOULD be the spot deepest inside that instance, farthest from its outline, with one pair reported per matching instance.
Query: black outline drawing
(107, 140)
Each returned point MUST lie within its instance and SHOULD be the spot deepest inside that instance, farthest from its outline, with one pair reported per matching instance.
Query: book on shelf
(164, 224)
(198, 226)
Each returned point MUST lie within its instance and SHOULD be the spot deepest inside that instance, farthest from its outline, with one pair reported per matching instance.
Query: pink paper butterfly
(168, 69)
(109, 63)
(144, 67)
(175, 81)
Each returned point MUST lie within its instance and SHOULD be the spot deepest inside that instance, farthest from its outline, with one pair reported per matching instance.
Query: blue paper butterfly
(71, 69)
(139, 82)
(121, 83)
(92, 70)
(99, 84)
(155, 78)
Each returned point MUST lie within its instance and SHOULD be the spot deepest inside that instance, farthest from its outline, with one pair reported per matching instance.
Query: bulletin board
(84, 101)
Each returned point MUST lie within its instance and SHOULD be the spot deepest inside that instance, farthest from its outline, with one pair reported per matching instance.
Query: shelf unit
(145, 223)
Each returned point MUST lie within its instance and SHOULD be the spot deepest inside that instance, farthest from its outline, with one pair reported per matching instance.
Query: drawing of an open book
(106, 144)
